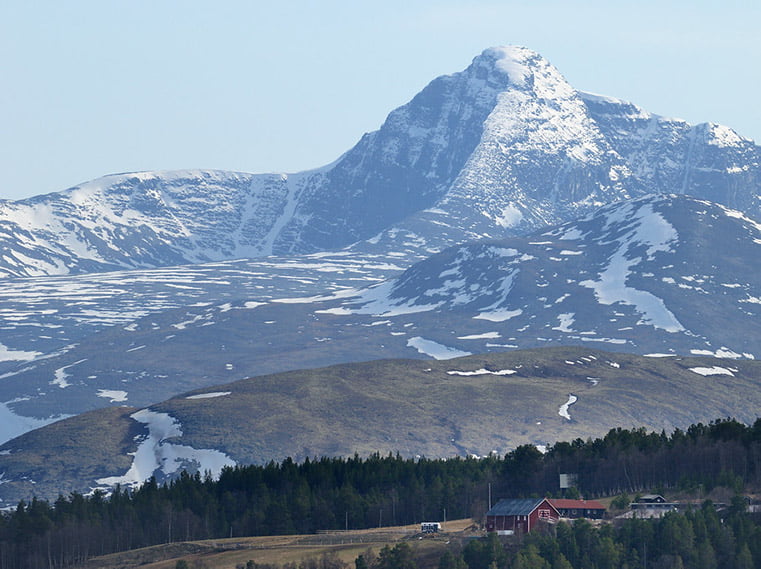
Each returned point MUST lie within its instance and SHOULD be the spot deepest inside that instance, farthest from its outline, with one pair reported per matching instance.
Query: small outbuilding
(653, 503)
(651, 499)
(520, 516)
(589, 509)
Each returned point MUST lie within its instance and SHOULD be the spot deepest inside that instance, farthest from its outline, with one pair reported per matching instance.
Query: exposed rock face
(501, 148)
(594, 222)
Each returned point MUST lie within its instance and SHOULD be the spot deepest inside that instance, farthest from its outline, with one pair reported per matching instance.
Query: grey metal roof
(515, 507)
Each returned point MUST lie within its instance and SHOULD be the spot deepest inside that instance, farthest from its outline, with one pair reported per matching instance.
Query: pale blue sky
(96, 87)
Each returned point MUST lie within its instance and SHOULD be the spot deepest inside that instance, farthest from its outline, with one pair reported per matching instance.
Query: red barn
(520, 516)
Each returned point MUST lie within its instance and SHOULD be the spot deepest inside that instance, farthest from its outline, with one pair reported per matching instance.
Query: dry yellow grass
(228, 553)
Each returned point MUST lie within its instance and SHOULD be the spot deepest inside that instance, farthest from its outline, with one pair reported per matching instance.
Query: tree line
(356, 492)
(697, 539)
(701, 538)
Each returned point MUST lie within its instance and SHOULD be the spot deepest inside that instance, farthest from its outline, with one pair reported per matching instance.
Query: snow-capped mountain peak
(526, 70)
(513, 60)
(501, 148)
(541, 110)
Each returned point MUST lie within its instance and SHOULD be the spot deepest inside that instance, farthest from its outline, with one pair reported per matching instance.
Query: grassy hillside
(420, 408)
(411, 407)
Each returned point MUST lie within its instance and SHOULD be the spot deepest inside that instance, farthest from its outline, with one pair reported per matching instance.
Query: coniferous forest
(699, 539)
(361, 492)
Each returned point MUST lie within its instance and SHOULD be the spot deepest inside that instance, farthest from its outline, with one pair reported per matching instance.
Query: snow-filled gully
(155, 455)
(563, 411)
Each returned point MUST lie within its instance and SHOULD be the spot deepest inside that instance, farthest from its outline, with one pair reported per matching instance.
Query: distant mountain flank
(499, 210)
(660, 273)
(668, 275)
(500, 149)
(467, 406)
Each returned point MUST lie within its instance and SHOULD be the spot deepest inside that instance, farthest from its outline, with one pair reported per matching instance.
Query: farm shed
(520, 516)
(651, 499)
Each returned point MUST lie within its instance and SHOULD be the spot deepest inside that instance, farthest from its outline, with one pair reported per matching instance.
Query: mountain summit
(501, 148)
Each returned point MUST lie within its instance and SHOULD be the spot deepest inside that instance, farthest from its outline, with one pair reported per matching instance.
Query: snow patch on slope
(434, 349)
(644, 227)
(500, 315)
(378, 302)
(482, 371)
(13, 425)
(522, 119)
(715, 370)
(155, 455)
(566, 321)
(484, 336)
(210, 395)
(60, 376)
(113, 395)
(511, 216)
(8, 355)
(563, 411)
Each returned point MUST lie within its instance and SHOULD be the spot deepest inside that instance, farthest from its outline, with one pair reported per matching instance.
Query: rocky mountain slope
(664, 273)
(472, 405)
(499, 209)
(501, 148)
(657, 275)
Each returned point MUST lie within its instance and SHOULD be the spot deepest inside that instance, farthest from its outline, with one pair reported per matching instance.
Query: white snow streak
(7, 355)
(377, 301)
(563, 411)
(511, 216)
(723, 352)
(113, 395)
(484, 336)
(566, 320)
(210, 395)
(434, 349)
(499, 315)
(337, 311)
(60, 375)
(154, 454)
(650, 228)
(715, 370)
(483, 371)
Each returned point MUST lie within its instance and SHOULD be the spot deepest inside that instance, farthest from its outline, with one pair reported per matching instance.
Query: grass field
(228, 553)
